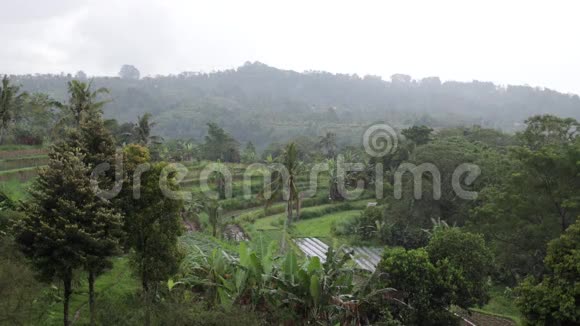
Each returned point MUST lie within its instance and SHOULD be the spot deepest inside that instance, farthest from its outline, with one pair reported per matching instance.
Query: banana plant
(226, 280)
(188, 148)
(314, 291)
(254, 273)
(213, 272)
(310, 289)
(356, 308)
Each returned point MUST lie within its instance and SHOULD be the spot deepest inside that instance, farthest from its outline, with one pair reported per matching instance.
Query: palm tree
(219, 178)
(11, 101)
(142, 131)
(328, 144)
(285, 185)
(333, 194)
(82, 105)
(213, 211)
(83, 101)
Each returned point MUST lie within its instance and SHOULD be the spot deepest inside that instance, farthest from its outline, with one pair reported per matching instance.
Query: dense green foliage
(65, 230)
(553, 298)
(452, 270)
(424, 290)
(152, 223)
(420, 135)
(537, 199)
(11, 103)
(491, 211)
(263, 104)
(286, 287)
(284, 185)
(469, 252)
(84, 231)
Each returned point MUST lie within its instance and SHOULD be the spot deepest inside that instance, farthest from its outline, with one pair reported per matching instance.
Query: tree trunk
(147, 309)
(92, 310)
(564, 223)
(3, 134)
(334, 194)
(563, 218)
(298, 203)
(67, 293)
(147, 303)
(221, 188)
(290, 210)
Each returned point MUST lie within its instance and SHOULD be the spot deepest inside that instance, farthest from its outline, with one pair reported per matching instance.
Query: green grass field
(320, 227)
(18, 147)
(501, 305)
(15, 171)
(115, 283)
(317, 222)
(18, 165)
(15, 189)
(308, 213)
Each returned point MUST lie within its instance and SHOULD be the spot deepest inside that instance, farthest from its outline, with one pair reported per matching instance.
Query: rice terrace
(267, 163)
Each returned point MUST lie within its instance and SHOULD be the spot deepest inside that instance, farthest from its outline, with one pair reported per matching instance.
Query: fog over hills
(257, 101)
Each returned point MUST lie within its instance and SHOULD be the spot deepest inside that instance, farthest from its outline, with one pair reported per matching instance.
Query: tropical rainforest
(191, 199)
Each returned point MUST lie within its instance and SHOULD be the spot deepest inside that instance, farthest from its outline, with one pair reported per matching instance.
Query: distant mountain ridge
(256, 101)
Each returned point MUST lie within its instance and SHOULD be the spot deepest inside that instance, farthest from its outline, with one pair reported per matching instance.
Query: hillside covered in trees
(106, 222)
(262, 104)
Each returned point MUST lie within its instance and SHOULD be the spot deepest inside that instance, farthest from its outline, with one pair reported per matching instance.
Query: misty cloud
(517, 43)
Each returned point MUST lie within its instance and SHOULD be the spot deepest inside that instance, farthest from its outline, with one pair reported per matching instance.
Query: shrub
(468, 252)
(19, 289)
(426, 290)
(172, 309)
(553, 300)
(27, 137)
(368, 225)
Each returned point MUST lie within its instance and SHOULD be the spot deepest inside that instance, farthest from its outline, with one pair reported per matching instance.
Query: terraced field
(244, 217)
(244, 212)
(18, 166)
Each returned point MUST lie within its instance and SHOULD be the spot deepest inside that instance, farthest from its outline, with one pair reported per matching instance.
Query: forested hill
(263, 104)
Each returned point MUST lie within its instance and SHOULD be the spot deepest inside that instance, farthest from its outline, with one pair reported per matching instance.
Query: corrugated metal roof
(365, 257)
(312, 247)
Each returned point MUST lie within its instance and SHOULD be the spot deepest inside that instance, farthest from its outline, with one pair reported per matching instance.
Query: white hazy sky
(507, 42)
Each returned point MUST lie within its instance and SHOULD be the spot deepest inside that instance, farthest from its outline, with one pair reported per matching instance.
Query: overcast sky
(507, 42)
